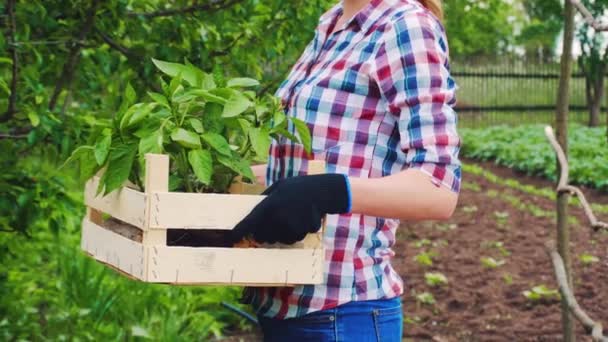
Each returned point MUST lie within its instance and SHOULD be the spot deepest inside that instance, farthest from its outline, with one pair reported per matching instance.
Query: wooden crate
(151, 213)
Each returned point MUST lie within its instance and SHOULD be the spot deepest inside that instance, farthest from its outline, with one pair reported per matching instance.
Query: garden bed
(480, 303)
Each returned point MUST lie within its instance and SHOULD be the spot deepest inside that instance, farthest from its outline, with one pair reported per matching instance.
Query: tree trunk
(561, 123)
(597, 94)
(71, 64)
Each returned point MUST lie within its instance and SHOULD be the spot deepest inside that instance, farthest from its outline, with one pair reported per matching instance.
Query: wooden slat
(125, 204)
(113, 249)
(231, 266)
(199, 211)
(156, 180)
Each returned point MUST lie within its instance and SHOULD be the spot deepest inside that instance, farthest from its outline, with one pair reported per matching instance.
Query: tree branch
(210, 6)
(12, 136)
(589, 19)
(10, 35)
(69, 68)
(129, 54)
(593, 327)
(563, 185)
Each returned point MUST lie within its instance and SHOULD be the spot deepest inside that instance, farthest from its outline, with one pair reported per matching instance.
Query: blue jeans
(373, 320)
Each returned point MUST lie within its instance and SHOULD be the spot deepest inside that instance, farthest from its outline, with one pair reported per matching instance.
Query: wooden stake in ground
(561, 125)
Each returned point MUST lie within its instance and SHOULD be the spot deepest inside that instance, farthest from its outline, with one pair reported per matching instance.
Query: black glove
(294, 207)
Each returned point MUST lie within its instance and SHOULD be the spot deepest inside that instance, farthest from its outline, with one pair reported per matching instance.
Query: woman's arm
(408, 195)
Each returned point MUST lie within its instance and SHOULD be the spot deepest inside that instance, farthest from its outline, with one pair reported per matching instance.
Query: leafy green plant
(541, 292)
(499, 245)
(426, 298)
(435, 279)
(588, 259)
(425, 258)
(491, 263)
(210, 127)
(526, 149)
(470, 209)
(507, 278)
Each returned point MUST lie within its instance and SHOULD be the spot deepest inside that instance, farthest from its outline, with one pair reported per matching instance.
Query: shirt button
(332, 318)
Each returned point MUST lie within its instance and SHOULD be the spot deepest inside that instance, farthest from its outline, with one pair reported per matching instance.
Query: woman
(375, 90)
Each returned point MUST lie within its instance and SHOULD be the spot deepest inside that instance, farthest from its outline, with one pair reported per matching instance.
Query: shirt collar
(364, 19)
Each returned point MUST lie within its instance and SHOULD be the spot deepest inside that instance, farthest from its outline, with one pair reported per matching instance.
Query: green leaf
(237, 165)
(242, 82)
(120, 162)
(207, 82)
(212, 118)
(135, 114)
(159, 98)
(303, 133)
(236, 105)
(77, 154)
(152, 143)
(190, 73)
(197, 125)
(260, 141)
(287, 134)
(130, 94)
(207, 96)
(186, 138)
(202, 164)
(34, 118)
(102, 148)
(141, 114)
(217, 142)
(174, 85)
(6, 60)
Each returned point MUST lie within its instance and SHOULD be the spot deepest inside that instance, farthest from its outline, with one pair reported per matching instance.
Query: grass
(488, 119)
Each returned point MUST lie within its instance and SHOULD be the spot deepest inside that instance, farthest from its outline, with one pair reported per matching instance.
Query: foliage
(71, 297)
(478, 27)
(435, 279)
(425, 298)
(211, 129)
(425, 258)
(588, 259)
(526, 149)
(542, 26)
(540, 293)
(489, 262)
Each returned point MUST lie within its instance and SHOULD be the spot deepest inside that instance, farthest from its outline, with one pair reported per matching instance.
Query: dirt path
(487, 304)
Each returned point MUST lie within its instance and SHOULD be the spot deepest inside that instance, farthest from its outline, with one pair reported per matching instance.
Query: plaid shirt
(377, 96)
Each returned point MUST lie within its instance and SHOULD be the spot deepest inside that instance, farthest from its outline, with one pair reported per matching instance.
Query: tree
(542, 25)
(561, 125)
(65, 63)
(594, 60)
(478, 27)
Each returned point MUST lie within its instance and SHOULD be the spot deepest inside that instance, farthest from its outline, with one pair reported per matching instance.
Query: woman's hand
(294, 207)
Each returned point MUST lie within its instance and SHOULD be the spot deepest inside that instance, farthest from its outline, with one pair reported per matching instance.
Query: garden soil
(487, 304)
(482, 304)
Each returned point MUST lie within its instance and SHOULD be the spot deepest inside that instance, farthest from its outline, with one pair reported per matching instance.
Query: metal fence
(514, 91)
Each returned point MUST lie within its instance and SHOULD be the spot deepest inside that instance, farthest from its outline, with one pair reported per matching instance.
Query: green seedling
(435, 279)
(588, 259)
(471, 186)
(425, 298)
(423, 242)
(491, 263)
(425, 258)
(496, 245)
(541, 292)
(507, 278)
(470, 209)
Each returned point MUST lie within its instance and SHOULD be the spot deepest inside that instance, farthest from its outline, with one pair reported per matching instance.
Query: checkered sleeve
(412, 72)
